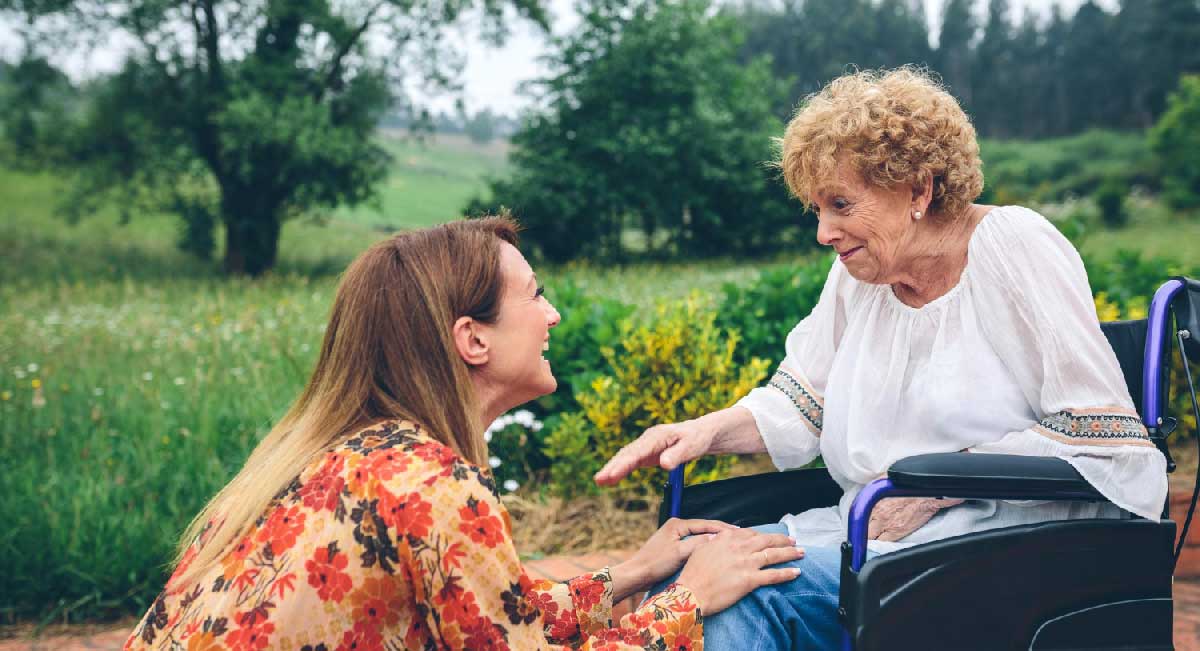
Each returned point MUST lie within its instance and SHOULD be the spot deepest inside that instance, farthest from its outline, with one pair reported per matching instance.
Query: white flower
(97, 392)
(536, 426)
(511, 485)
(19, 373)
(180, 381)
(32, 368)
(524, 418)
(494, 462)
(487, 436)
(147, 376)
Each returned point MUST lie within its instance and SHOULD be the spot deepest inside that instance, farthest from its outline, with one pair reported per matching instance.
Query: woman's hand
(731, 564)
(896, 517)
(665, 445)
(662, 554)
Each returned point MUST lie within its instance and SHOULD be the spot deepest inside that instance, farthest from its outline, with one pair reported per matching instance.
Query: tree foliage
(650, 125)
(1017, 75)
(1176, 139)
(248, 113)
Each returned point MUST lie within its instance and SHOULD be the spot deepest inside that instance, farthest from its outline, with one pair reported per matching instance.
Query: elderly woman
(943, 326)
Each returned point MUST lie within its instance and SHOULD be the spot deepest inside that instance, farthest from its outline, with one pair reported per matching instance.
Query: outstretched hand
(665, 446)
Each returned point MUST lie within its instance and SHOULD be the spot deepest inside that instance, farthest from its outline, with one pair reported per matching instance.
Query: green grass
(430, 181)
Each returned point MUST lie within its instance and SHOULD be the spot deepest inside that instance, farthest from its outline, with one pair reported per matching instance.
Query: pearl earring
(916, 214)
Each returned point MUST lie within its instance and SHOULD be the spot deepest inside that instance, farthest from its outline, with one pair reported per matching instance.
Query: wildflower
(97, 392)
(32, 368)
(36, 383)
(5, 395)
(39, 400)
(147, 376)
(494, 462)
(19, 373)
(180, 381)
(511, 485)
(524, 418)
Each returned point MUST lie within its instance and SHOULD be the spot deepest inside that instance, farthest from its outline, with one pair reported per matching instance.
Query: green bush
(1060, 168)
(1176, 140)
(677, 366)
(1111, 202)
(765, 311)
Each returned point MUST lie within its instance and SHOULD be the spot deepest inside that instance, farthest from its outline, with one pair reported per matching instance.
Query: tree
(650, 124)
(954, 48)
(248, 113)
(1176, 139)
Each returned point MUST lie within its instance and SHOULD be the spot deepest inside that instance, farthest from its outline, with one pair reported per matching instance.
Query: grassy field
(123, 362)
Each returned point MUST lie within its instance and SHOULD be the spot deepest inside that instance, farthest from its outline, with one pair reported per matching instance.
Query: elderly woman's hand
(894, 518)
(665, 445)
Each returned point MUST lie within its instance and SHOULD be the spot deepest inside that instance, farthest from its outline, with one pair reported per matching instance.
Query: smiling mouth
(545, 347)
(846, 254)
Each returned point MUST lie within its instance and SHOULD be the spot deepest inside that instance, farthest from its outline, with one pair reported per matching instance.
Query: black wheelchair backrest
(1128, 341)
(1187, 316)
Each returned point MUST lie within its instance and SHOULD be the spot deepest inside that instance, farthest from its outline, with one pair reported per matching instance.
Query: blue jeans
(799, 614)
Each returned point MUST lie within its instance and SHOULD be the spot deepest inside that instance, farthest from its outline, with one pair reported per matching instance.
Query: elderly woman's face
(869, 227)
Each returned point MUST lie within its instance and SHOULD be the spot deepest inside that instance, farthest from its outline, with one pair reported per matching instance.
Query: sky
(492, 75)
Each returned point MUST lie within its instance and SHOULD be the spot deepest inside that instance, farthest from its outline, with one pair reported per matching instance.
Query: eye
(840, 203)
(541, 291)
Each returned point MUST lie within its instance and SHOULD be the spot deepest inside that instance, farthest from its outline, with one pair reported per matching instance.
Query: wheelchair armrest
(999, 476)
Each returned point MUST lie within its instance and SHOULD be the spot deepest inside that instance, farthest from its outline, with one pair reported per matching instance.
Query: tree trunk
(251, 236)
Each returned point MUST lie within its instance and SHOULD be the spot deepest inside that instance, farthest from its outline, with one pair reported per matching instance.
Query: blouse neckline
(890, 294)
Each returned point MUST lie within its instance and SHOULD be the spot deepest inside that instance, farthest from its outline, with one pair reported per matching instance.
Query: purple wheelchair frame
(872, 493)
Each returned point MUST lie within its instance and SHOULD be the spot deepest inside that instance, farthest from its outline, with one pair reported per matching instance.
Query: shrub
(1111, 202)
(766, 310)
(679, 365)
(1176, 140)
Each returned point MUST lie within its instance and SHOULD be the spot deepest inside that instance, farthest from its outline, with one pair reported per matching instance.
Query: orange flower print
(407, 514)
(252, 637)
(363, 637)
(456, 603)
(484, 635)
(325, 573)
(418, 633)
(320, 493)
(205, 641)
(436, 453)
(281, 529)
(478, 523)
(243, 549)
(561, 626)
(681, 632)
(385, 464)
(378, 600)
(586, 592)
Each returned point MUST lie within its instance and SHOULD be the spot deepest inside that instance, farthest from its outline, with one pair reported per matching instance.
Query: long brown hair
(388, 353)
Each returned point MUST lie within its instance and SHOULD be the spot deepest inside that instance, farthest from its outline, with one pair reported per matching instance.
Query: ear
(470, 341)
(922, 194)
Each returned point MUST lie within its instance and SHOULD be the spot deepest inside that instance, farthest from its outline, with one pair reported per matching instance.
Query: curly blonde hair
(895, 127)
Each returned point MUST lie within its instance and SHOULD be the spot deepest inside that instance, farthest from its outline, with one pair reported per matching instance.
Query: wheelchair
(1068, 585)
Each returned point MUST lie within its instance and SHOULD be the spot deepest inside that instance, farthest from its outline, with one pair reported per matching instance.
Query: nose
(552, 315)
(827, 233)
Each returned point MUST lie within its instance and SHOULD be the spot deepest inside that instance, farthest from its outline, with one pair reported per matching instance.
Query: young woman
(367, 517)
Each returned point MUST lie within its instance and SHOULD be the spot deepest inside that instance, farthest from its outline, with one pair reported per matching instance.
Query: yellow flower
(6, 395)
(37, 384)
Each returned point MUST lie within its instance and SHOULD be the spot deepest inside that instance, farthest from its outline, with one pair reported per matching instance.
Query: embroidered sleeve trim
(1114, 426)
(806, 400)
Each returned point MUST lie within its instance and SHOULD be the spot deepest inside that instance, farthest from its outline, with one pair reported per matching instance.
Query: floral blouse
(393, 541)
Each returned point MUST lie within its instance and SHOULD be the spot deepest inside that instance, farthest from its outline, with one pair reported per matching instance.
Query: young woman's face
(521, 333)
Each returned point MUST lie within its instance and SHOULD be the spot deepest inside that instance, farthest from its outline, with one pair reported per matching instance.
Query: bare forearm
(734, 431)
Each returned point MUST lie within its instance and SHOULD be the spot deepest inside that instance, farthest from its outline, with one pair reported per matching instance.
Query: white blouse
(1011, 360)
